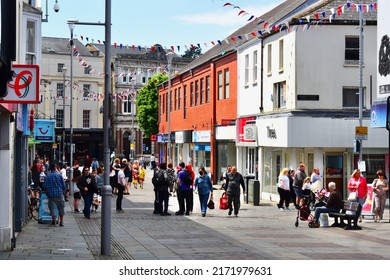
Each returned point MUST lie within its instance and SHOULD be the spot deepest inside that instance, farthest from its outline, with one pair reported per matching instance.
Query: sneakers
(53, 224)
(281, 209)
(120, 211)
(77, 210)
(61, 224)
(315, 225)
(203, 214)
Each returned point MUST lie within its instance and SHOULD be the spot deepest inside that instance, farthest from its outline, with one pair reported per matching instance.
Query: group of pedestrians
(184, 182)
(297, 183)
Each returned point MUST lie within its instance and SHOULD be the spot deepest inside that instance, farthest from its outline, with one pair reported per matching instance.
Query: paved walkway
(259, 233)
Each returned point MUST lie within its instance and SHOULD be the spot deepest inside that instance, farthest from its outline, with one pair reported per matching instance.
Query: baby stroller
(304, 213)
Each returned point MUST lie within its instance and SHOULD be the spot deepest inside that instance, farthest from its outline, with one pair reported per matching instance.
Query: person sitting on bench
(334, 204)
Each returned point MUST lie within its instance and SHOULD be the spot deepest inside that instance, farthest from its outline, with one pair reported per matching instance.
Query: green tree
(193, 52)
(147, 105)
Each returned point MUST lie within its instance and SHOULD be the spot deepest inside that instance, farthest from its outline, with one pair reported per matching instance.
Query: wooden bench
(351, 212)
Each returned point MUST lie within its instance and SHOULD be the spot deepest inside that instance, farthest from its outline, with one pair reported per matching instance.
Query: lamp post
(63, 115)
(71, 24)
(170, 55)
(361, 59)
(106, 189)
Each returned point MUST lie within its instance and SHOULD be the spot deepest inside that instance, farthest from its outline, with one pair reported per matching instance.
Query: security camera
(56, 7)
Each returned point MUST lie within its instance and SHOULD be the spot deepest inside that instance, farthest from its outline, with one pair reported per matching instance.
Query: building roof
(51, 45)
(157, 54)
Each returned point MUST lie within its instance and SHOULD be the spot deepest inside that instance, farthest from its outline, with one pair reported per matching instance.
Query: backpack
(188, 178)
(158, 179)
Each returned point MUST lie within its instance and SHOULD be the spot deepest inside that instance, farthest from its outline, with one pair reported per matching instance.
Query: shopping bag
(223, 202)
(352, 196)
(211, 205)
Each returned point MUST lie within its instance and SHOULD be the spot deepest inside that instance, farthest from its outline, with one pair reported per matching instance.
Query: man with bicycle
(54, 186)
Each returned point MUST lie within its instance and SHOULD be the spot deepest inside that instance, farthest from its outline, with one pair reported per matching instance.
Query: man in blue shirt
(184, 192)
(54, 186)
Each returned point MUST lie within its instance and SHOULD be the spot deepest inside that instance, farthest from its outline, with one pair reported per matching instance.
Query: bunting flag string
(318, 18)
(304, 23)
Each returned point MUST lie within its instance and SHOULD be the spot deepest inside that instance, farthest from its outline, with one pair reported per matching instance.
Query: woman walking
(204, 187)
(380, 186)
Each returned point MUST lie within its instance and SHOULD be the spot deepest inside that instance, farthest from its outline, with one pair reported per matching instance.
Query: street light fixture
(106, 189)
(170, 55)
(71, 24)
(63, 115)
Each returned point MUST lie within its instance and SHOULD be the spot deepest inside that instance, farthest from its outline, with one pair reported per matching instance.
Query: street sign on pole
(361, 132)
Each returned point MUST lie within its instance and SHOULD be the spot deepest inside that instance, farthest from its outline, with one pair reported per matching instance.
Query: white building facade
(307, 108)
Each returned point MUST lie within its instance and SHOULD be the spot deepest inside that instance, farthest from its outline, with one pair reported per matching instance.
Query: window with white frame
(60, 90)
(60, 118)
(281, 56)
(60, 66)
(227, 83)
(246, 69)
(208, 89)
(179, 98)
(126, 105)
(352, 49)
(269, 59)
(86, 90)
(86, 118)
(31, 55)
(201, 90)
(280, 95)
(87, 70)
(220, 86)
(254, 67)
(351, 97)
(196, 93)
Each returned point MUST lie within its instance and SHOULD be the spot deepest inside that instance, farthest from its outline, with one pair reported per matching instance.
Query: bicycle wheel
(35, 210)
(30, 208)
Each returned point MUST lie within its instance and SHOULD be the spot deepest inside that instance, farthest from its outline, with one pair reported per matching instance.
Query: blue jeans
(323, 209)
(87, 204)
(204, 199)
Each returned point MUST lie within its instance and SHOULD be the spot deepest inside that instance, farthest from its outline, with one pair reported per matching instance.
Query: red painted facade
(201, 98)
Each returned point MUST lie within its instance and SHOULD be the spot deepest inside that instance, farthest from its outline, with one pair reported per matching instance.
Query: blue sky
(146, 22)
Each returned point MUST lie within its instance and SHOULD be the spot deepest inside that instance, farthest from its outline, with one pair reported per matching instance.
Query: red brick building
(203, 98)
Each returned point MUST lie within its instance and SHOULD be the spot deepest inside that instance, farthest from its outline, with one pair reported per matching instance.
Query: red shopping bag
(223, 202)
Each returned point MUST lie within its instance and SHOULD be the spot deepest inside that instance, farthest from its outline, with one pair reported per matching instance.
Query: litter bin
(248, 179)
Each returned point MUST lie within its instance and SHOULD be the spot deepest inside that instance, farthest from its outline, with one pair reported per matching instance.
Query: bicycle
(33, 202)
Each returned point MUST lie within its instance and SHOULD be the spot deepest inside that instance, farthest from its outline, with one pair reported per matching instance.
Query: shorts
(298, 192)
(77, 195)
(57, 202)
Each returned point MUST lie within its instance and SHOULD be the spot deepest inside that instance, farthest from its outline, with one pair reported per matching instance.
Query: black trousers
(234, 198)
(163, 199)
(186, 200)
(284, 198)
(119, 197)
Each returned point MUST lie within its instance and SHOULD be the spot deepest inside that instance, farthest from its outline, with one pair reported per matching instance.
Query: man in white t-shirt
(66, 180)
(121, 188)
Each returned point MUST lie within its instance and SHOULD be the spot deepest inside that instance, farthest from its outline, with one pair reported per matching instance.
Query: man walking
(299, 177)
(121, 187)
(233, 181)
(87, 186)
(54, 186)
